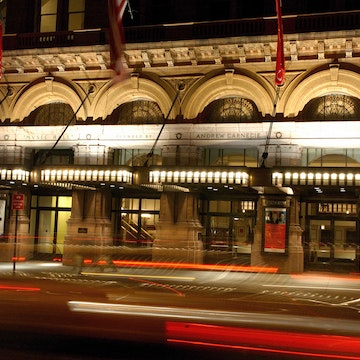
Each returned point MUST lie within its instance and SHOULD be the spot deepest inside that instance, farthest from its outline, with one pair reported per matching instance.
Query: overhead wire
(268, 137)
(151, 153)
(48, 153)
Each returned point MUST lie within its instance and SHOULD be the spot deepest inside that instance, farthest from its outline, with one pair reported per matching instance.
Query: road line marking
(141, 276)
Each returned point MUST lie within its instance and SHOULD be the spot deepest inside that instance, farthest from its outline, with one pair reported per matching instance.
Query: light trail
(352, 277)
(259, 332)
(264, 340)
(18, 288)
(310, 287)
(170, 265)
(280, 321)
(166, 277)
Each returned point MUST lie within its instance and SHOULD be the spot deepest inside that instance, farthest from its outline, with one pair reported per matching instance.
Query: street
(124, 312)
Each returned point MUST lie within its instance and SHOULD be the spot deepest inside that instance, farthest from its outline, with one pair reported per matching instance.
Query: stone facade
(208, 69)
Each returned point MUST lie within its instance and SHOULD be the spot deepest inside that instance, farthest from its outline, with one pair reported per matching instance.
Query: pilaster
(178, 229)
(89, 227)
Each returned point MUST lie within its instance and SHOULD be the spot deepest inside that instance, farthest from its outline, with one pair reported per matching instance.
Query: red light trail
(264, 340)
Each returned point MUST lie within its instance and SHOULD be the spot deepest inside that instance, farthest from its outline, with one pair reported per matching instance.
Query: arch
(115, 94)
(44, 93)
(221, 86)
(231, 109)
(321, 84)
(55, 113)
(334, 160)
(332, 107)
(138, 112)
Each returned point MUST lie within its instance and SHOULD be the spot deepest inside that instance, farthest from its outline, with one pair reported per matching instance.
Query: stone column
(17, 221)
(178, 229)
(296, 250)
(89, 227)
(293, 260)
(89, 233)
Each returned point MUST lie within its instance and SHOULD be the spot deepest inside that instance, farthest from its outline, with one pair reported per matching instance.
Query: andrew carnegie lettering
(234, 135)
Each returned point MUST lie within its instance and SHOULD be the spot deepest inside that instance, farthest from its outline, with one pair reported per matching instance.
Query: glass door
(332, 244)
(48, 224)
(45, 234)
(320, 241)
(219, 234)
(242, 236)
(345, 241)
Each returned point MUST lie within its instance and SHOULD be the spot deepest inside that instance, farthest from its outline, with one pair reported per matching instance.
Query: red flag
(280, 58)
(117, 36)
(1, 47)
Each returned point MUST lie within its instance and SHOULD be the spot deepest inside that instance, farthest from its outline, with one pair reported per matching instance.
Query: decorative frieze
(222, 51)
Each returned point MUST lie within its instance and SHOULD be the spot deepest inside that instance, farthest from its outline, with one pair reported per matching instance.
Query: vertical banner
(275, 230)
(280, 58)
(117, 37)
(2, 216)
(1, 46)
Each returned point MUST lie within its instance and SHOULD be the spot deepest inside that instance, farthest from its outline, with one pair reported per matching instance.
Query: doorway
(48, 225)
(332, 244)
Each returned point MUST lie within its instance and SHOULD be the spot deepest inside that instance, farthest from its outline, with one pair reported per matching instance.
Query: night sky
(150, 12)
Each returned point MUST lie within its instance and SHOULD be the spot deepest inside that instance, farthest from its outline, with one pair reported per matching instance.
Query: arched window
(137, 112)
(230, 110)
(332, 107)
(334, 160)
(51, 114)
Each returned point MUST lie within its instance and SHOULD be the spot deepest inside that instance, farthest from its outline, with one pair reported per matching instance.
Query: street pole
(17, 203)
(15, 242)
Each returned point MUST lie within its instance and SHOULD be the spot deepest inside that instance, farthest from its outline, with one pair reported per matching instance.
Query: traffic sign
(18, 201)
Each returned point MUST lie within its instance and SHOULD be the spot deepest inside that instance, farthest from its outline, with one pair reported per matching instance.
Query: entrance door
(45, 235)
(48, 224)
(345, 241)
(219, 238)
(332, 244)
(241, 236)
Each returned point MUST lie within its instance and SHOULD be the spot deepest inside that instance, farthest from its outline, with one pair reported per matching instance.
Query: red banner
(117, 36)
(1, 47)
(280, 58)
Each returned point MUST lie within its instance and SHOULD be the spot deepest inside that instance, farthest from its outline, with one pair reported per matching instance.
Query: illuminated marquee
(15, 175)
(316, 177)
(85, 175)
(199, 177)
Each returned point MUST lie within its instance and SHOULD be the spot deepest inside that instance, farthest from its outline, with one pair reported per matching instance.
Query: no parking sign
(18, 202)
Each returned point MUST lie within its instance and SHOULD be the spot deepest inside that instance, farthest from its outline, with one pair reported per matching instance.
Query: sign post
(17, 203)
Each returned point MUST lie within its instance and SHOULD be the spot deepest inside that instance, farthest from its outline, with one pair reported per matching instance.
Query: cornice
(223, 52)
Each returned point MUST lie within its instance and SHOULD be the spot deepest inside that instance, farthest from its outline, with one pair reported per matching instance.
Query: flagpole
(279, 75)
(130, 10)
(90, 91)
(277, 96)
(280, 58)
(151, 153)
(8, 93)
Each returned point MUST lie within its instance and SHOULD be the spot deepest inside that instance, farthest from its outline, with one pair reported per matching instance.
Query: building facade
(191, 157)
